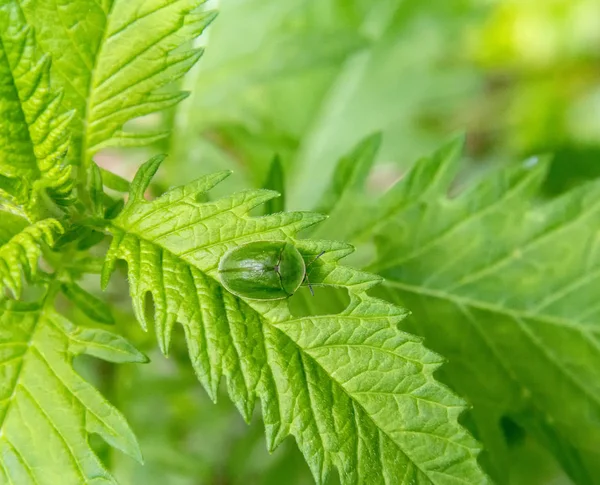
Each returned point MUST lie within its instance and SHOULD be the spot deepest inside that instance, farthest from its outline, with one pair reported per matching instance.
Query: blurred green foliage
(309, 79)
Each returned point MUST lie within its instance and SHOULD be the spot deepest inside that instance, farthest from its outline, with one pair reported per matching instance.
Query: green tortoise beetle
(264, 270)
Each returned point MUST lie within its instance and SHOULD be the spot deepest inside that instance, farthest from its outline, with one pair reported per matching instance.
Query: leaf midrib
(21, 460)
(356, 402)
(492, 307)
(36, 168)
(33, 349)
(88, 97)
(307, 355)
(14, 384)
(11, 399)
(518, 316)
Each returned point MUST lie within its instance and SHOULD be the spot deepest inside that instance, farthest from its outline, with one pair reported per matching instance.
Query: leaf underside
(356, 393)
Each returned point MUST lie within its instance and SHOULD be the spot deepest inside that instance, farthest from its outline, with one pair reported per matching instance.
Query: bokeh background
(307, 80)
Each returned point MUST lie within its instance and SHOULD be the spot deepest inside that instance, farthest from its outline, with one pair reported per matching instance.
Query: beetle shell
(263, 270)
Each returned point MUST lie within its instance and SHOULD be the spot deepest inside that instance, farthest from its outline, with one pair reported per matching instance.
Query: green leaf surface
(114, 181)
(47, 411)
(92, 306)
(112, 57)
(350, 174)
(34, 135)
(346, 194)
(504, 285)
(20, 254)
(11, 225)
(357, 394)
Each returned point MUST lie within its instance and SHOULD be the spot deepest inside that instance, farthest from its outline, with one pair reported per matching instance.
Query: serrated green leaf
(430, 176)
(47, 411)
(33, 129)
(347, 192)
(505, 287)
(20, 254)
(357, 394)
(126, 50)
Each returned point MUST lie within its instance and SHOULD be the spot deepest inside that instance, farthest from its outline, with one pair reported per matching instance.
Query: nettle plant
(353, 388)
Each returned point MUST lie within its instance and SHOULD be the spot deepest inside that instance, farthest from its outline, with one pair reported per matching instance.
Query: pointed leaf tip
(261, 349)
(144, 176)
